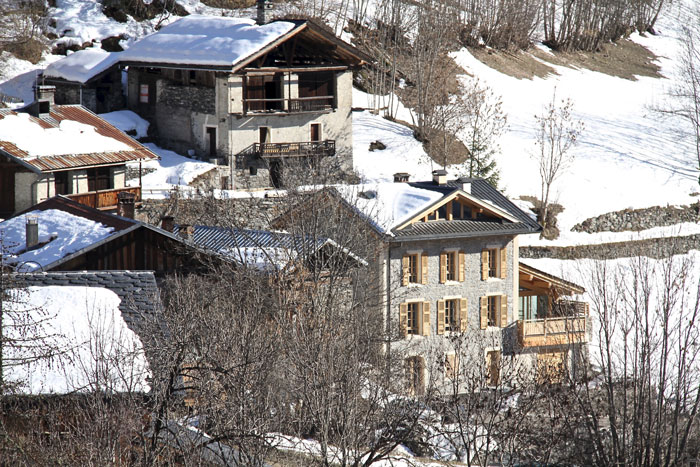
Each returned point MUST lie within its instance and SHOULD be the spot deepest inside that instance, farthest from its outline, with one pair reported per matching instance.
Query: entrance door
(211, 141)
(7, 190)
(315, 135)
(264, 134)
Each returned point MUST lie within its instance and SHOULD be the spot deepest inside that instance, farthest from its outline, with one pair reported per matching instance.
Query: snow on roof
(82, 65)
(387, 205)
(62, 233)
(70, 137)
(97, 351)
(206, 40)
(127, 120)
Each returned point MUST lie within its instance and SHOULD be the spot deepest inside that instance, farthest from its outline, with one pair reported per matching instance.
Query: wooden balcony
(104, 199)
(555, 331)
(282, 150)
(289, 106)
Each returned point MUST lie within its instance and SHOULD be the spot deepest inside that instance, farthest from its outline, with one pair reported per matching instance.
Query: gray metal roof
(466, 227)
(220, 239)
(459, 229)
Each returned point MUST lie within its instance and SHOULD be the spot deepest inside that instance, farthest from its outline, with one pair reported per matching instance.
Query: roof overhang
(540, 281)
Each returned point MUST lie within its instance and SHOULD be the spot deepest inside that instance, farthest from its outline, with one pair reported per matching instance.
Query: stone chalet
(260, 97)
(48, 150)
(448, 261)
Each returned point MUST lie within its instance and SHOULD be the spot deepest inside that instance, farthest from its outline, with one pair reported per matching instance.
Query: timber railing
(295, 105)
(558, 330)
(104, 199)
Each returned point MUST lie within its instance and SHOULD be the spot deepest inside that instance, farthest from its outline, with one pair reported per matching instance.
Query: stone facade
(187, 117)
(100, 95)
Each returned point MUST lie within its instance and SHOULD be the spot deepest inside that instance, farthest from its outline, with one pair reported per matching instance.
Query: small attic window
(369, 194)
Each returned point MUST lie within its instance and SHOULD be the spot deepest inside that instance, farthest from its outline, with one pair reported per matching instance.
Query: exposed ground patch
(622, 59)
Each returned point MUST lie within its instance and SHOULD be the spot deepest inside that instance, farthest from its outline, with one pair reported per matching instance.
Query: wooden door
(211, 139)
(315, 135)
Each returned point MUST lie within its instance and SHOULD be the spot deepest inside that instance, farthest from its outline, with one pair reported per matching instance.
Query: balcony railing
(560, 330)
(104, 199)
(280, 150)
(296, 105)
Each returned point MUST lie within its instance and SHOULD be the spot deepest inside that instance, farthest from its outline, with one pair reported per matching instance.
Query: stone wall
(639, 219)
(195, 98)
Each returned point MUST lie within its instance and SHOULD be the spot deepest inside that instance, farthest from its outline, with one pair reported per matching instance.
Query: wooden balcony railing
(296, 105)
(561, 330)
(104, 199)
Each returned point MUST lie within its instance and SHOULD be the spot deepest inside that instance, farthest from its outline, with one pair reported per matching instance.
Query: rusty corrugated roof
(71, 161)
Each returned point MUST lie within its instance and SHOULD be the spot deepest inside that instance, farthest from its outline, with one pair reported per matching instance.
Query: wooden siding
(553, 331)
(104, 199)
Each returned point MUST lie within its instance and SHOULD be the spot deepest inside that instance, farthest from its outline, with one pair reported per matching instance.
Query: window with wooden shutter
(443, 268)
(404, 269)
(403, 319)
(441, 316)
(504, 265)
(504, 311)
(484, 265)
(461, 266)
(484, 312)
(424, 269)
(426, 318)
(463, 313)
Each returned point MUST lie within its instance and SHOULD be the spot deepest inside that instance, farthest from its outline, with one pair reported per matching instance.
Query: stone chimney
(125, 204)
(264, 7)
(440, 176)
(401, 177)
(44, 100)
(32, 231)
(167, 223)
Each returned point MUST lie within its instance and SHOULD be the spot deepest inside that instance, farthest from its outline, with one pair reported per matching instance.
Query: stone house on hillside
(258, 96)
(456, 290)
(48, 150)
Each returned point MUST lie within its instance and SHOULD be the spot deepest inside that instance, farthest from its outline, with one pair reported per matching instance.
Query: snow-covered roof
(97, 351)
(387, 205)
(69, 136)
(206, 40)
(83, 65)
(60, 234)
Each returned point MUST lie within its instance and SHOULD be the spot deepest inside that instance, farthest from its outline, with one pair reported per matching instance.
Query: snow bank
(70, 137)
(126, 120)
(387, 205)
(206, 40)
(82, 65)
(97, 351)
(62, 232)
(172, 169)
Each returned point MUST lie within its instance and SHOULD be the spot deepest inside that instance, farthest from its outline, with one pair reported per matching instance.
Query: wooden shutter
(443, 268)
(426, 318)
(404, 270)
(504, 265)
(461, 266)
(424, 268)
(484, 311)
(484, 264)
(463, 313)
(403, 319)
(441, 316)
(504, 311)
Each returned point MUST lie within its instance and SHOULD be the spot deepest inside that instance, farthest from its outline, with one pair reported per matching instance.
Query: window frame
(493, 310)
(451, 265)
(414, 312)
(452, 309)
(414, 269)
(493, 262)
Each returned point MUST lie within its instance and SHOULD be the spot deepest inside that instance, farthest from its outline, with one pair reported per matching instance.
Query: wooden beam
(270, 70)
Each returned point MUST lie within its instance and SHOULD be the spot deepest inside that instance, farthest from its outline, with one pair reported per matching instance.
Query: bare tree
(558, 132)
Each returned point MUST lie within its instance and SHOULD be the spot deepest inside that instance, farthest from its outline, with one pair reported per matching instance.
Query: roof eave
(491, 233)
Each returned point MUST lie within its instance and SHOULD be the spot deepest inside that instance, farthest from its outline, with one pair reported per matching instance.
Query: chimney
(263, 6)
(440, 176)
(44, 100)
(465, 184)
(186, 231)
(167, 223)
(32, 231)
(125, 204)
(401, 177)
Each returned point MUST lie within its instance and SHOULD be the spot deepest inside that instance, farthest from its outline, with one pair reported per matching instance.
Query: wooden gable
(459, 206)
